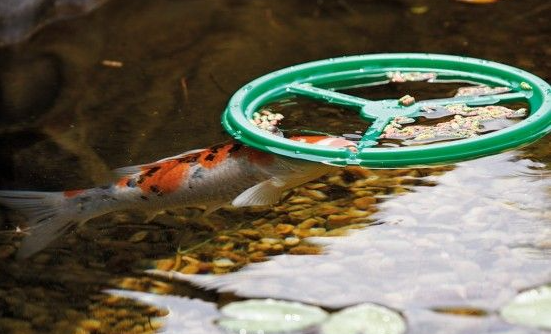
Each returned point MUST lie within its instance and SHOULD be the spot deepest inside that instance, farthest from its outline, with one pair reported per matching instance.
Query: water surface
(464, 236)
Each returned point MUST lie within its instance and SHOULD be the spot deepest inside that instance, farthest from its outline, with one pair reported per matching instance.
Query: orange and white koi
(229, 173)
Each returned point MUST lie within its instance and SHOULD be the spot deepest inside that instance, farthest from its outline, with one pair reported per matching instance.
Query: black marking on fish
(131, 183)
(235, 147)
(148, 173)
(210, 157)
(152, 170)
(84, 199)
(145, 198)
(189, 158)
(217, 147)
(155, 189)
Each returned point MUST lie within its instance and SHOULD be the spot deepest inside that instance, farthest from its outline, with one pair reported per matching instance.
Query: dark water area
(136, 81)
(58, 98)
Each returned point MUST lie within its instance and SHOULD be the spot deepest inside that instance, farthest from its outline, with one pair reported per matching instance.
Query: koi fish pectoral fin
(265, 193)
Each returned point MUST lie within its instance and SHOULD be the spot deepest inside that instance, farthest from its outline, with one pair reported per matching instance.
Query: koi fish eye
(326, 141)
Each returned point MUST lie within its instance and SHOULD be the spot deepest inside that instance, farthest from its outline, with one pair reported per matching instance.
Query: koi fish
(228, 173)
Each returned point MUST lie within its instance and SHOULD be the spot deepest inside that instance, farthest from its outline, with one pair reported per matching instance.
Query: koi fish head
(326, 141)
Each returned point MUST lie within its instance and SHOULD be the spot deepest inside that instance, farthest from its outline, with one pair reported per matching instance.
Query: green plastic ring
(320, 79)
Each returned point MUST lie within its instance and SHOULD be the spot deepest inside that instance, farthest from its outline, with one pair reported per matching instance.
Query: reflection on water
(66, 119)
(473, 240)
(306, 116)
(186, 315)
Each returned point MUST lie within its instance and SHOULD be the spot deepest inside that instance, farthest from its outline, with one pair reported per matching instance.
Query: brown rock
(90, 324)
(263, 247)
(266, 229)
(270, 241)
(122, 313)
(260, 221)
(281, 219)
(292, 241)
(316, 186)
(223, 263)
(317, 231)
(250, 233)
(138, 236)
(80, 330)
(311, 222)
(337, 180)
(400, 190)
(335, 221)
(123, 325)
(300, 215)
(190, 269)
(302, 233)
(297, 207)
(305, 250)
(276, 249)
(327, 209)
(230, 255)
(364, 202)
(223, 238)
(361, 192)
(205, 267)
(315, 194)
(137, 329)
(284, 229)
(165, 264)
(300, 200)
(359, 171)
(190, 260)
(257, 257)
(353, 213)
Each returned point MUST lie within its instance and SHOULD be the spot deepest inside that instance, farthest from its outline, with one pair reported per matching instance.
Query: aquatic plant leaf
(529, 308)
(269, 316)
(365, 319)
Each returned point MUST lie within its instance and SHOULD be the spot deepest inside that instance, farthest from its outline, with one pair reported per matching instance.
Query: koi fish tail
(47, 216)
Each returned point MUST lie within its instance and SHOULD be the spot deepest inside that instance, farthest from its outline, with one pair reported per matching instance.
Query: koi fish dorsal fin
(265, 193)
(131, 170)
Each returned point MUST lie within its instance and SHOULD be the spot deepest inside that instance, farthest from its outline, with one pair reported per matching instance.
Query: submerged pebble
(139, 236)
(223, 263)
(364, 202)
(291, 241)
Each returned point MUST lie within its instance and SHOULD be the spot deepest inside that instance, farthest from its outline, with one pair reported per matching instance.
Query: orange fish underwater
(229, 173)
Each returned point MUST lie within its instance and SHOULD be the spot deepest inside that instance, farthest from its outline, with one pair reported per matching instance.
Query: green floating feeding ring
(321, 79)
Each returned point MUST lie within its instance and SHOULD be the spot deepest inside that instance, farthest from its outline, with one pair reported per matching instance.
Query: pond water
(133, 82)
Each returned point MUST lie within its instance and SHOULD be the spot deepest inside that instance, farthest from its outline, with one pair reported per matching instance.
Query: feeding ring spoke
(323, 80)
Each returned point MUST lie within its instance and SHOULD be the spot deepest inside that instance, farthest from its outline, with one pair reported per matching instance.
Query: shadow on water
(469, 235)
